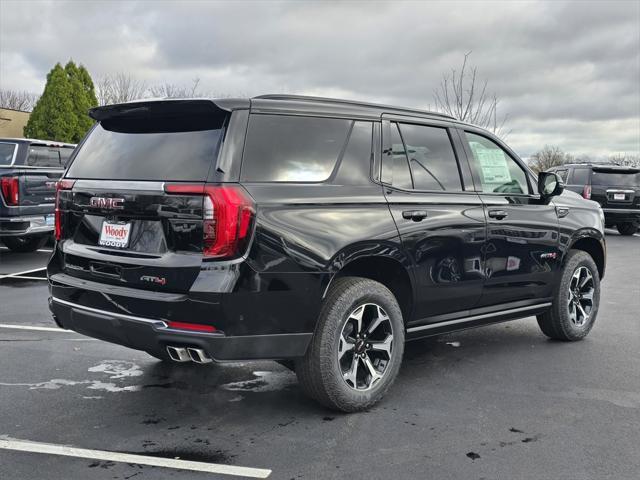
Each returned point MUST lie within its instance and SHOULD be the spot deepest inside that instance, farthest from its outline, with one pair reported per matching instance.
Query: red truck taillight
(60, 185)
(586, 192)
(10, 190)
(228, 212)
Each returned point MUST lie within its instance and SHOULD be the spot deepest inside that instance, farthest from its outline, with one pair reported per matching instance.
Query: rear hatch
(134, 208)
(616, 187)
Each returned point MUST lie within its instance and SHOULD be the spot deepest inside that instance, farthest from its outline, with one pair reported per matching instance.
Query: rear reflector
(60, 185)
(196, 327)
(10, 190)
(228, 212)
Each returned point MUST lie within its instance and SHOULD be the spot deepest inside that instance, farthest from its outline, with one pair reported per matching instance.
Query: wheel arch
(390, 271)
(594, 246)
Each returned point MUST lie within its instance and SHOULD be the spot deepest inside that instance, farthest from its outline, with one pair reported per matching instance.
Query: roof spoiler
(163, 107)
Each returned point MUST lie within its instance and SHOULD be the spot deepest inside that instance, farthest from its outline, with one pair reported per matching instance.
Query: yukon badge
(152, 279)
(107, 202)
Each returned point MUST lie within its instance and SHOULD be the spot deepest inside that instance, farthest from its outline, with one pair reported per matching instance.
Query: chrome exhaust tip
(198, 355)
(178, 354)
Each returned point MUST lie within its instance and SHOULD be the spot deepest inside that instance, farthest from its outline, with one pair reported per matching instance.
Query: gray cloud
(567, 72)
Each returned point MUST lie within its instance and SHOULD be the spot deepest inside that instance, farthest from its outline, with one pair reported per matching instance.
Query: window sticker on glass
(493, 163)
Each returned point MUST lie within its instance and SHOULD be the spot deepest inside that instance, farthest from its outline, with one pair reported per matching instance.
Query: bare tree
(119, 88)
(549, 156)
(625, 160)
(171, 90)
(17, 100)
(463, 96)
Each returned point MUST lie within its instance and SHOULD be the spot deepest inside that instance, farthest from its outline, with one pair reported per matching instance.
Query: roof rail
(307, 98)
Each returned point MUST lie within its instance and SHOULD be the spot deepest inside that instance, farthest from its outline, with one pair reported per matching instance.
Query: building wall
(12, 122)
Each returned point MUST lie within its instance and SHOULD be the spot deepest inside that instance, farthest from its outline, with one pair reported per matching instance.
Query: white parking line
(9, 275)
(33, 327)
(8, 443)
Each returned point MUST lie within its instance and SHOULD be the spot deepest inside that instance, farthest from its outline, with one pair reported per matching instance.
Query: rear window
(150, 148)
(281, 148)
(616, 179)
(45, 156)
(6, 153)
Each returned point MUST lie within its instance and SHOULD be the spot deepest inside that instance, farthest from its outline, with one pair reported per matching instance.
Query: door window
(431, 158)
(401, 177)
(497, 171)
(562, 174)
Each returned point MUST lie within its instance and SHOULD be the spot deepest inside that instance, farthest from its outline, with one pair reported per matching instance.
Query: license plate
(49, 220)
(115, 234)
(618, 196)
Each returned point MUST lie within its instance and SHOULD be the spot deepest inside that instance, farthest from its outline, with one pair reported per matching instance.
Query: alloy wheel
(580, 298)
(366, 342)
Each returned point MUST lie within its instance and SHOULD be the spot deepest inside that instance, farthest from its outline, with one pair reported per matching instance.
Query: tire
(564, 320)
(25, 244)
(328, 377)
(627, 229)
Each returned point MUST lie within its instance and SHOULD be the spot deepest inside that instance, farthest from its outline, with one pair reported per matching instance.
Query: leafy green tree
(61, 112)
(53, 117)
(83, 97)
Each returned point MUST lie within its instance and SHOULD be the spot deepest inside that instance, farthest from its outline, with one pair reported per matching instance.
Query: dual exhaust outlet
(188, 354)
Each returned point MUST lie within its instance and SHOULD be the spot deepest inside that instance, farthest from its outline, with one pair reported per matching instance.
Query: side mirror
(549, 184)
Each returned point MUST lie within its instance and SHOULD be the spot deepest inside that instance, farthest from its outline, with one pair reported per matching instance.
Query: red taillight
(191, 326)
(227, 215)
(60, 185)
(10, 190)
(586, 192)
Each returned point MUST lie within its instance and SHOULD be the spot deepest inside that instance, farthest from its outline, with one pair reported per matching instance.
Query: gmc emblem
(105, 202)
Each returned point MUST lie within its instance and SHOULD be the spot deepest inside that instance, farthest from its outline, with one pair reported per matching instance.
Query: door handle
(415, 215)
(498, 214)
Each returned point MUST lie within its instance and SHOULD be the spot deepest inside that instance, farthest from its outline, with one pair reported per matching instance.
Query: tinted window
(65, 153)
(43, 156)
(6, 153)
(616, 179)
(580, 176)
(355, 167)
(283, 148)
(498, 172)
(433, 163)
(116, 153)
(401, 177)
(562, 174)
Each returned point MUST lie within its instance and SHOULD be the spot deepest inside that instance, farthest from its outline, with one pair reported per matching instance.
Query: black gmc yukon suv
(615, 188)
(320, 233)
(29, 170)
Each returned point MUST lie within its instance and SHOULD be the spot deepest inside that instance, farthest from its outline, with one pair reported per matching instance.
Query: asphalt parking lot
(502, 402)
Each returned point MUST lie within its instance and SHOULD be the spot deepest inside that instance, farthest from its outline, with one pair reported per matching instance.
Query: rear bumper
(24, 225)
(614, 215)
(153, 335)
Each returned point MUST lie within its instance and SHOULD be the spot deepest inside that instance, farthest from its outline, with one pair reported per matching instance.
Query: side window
(281, 148)
(580, 176)
(43, 156)
(400, 175)
(6, 153)
(355, 166)
(498, 172)
(562, 174)
(65, 153)
(431, 158)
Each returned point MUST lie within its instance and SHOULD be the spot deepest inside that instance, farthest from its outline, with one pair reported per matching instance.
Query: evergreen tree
(53, 117)
(62, 112)
(83, 98)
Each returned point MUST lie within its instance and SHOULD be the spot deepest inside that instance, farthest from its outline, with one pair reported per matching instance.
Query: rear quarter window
(7, 151)
(283, 148)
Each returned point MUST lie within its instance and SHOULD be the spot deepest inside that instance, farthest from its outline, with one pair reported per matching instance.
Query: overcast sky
(567, 72)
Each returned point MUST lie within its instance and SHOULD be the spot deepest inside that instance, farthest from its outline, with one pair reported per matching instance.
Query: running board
(478, 320)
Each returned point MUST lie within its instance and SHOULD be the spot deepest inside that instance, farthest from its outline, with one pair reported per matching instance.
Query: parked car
(29, 170)
(320, 233)
(615, 188)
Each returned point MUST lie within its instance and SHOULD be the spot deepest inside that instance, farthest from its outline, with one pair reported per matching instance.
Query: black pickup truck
(29, 170)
